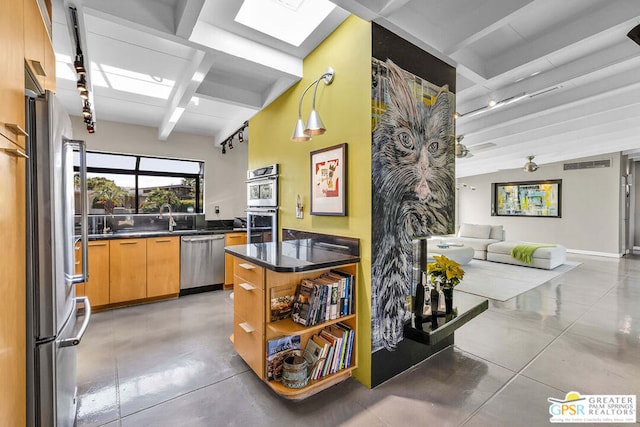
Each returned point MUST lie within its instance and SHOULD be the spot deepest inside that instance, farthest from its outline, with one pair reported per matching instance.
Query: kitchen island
(265, 271)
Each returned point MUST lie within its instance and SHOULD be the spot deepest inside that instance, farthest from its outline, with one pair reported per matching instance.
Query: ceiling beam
(186, 16)
(183, 91)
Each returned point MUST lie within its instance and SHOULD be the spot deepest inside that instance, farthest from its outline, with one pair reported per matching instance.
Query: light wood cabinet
(97, 287)
(12, 286)
(49, 65)
(253, 326)
(163, 266)
(231, 239)
(127, 270)
(12, 71)
(249, 317)
(34, 41)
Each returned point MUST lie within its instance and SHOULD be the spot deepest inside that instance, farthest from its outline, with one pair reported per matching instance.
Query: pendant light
(314, 125)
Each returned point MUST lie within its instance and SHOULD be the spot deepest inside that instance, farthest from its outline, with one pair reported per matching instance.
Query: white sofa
(488, 243)
(547, 258)
(477, 236)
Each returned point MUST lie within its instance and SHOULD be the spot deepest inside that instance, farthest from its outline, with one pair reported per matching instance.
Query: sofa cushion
(505, 247)
(476, 231)
(476, 244)
(496, 232)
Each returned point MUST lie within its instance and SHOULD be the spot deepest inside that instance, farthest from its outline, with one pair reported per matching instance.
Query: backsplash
(99, 224)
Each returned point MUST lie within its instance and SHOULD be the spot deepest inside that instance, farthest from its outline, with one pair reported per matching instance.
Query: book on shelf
(277, 350)
(313, 355)
(317, 371)
(301, 310)
(327, 297)
(281, 302)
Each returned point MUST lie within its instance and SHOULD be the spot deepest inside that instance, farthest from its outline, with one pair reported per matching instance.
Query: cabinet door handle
(38, 68)
(98, 244)
(246, 327)
(16, 152)
(246, 286)
(247, 266)
(128, 243)
(15, 128)
(163, 241)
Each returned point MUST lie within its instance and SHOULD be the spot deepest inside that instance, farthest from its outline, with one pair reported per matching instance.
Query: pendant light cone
(314, 124)
(299, 132)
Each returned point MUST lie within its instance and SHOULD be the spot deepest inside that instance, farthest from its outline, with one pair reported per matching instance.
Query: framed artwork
(329, 181)
(528, 198)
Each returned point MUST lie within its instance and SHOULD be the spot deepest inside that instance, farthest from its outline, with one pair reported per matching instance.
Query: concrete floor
(172, 364)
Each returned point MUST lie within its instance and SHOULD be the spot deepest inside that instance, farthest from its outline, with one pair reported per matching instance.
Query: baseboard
(594, 253)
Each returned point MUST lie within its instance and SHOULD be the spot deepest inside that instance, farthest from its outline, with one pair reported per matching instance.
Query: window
(128, 184)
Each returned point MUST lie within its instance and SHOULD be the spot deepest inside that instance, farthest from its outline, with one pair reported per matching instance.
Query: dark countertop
(293, 255)
(158, 233)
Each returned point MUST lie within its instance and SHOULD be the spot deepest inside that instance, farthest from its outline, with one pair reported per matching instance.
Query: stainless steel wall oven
(262, 204)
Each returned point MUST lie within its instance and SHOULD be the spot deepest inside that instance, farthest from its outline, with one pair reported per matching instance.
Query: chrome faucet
(172, 223)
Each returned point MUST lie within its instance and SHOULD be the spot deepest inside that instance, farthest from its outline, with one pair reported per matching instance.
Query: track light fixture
(91, 127)
(230, 143)
(86, 109)
(224, 147)
(82, 83)
(240, 136)
(314, 125)
(78, 64)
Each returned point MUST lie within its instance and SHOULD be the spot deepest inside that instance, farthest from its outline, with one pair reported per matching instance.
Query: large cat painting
(413, 187)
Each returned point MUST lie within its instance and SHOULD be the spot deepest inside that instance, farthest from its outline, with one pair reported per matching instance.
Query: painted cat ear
(441, 114)
(400, 95)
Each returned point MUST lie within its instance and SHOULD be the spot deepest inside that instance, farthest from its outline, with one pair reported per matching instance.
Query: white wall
(224, 174)
(591, 207)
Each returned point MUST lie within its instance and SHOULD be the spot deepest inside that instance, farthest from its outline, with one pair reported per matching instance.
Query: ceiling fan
(530, 166)
(462, 151)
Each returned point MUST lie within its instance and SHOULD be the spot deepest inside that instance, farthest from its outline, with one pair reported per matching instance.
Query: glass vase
(448, 299)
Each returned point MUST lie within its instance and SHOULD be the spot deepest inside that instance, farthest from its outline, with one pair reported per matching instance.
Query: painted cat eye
(433, 147)
(405, 140)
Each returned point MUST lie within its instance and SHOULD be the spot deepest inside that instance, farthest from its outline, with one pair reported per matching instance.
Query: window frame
(136, 172)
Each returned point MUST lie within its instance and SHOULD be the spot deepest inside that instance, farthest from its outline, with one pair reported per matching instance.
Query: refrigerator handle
(87, 317)
(84, 212)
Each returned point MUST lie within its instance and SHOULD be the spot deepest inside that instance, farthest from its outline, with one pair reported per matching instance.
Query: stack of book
(324, 298)
(330, 350)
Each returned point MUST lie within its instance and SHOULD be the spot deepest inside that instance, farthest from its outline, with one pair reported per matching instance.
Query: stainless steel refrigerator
(54, 328)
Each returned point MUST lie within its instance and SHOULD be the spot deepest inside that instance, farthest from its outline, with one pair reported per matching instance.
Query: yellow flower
(445, 271)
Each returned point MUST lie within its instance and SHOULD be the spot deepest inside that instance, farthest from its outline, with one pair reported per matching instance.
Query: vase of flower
(445, 273)
(448, 299)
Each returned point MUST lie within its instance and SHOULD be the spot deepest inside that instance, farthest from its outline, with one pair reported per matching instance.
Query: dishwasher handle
(202, 238)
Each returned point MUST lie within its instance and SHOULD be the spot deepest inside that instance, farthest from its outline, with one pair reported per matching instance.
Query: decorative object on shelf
(302, 133)
(329, 181)
(434, 301)
(445, 273)
(294, 372)
(278, 349)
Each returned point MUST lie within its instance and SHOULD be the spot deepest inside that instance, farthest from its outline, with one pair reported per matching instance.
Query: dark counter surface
(139, 234)
(294, 255)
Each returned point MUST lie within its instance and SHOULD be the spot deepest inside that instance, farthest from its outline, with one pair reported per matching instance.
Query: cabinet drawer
(248, 301)
(249, 343)
(248, 272)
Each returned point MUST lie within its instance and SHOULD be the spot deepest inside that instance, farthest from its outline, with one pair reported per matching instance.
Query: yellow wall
(345, 108)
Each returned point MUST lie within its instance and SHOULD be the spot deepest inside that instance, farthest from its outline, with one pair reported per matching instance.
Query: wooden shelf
(312, 387)
(289, 327)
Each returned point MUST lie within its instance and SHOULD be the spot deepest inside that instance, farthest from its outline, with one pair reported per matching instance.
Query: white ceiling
(570, 62)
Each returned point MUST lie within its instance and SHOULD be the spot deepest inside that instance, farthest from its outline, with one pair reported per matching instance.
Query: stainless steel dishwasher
(201, 261)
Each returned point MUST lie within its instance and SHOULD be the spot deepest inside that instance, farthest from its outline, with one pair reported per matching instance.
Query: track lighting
(78, 64)
(240, 136)
(84, 94)
(224, 149)
(314, 124)
(86, 109)
(82, 83)
(230, 142)
(91, 127)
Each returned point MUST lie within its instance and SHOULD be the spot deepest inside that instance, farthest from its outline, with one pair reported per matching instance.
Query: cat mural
(413, 191)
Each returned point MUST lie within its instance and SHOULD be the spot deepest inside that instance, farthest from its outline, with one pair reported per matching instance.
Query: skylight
(291, 21)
